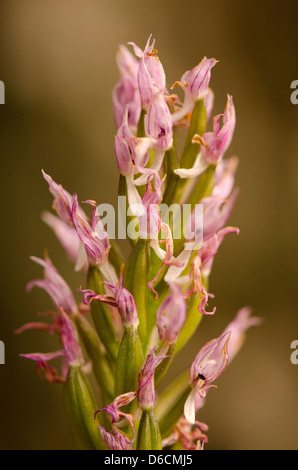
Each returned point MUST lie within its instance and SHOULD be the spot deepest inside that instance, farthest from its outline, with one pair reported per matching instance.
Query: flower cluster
(138, 312)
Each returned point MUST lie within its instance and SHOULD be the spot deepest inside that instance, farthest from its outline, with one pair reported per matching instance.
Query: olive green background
(57, 60)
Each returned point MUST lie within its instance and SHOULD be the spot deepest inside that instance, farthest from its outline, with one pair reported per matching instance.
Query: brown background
(58, 65)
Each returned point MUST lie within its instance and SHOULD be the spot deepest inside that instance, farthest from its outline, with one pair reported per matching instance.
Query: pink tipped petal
(195, 84)
(238, 327)
(33, 326)
(126, 97)
(150, 219)
(54, 285)
(210, 247)
(198, 78)
(217, 212)
(158, 123)
(93, 237)
(123, 156)
(209, 100)
(116, 441)
(217, 142)
(66, 235)
(225, 177)
(41, 359)
(62, 199)
(151, 76)
(126, 306)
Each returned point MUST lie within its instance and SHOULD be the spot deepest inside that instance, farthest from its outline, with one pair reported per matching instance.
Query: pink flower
(123, 300)
(93, 236)
(225, 177)
(210, 247)
(158, 123)
(195, 83)
(124, 148)
(71, 353)
(72, 350)
(198, 287)
(217, 212)
(62, 199)
(238, 328)
(151, 75)
(146, 390)
(209, 363)
(191, 436)
(117, 439)
(42, 359)
(126, 306)
(209, 100)
(126, 95)
(171, 315)
(150, 218)
(66, 235)
(55, 286)
(213, 145)
(159, 137)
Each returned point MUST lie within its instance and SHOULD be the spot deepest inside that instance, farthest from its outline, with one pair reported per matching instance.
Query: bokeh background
(57, 60)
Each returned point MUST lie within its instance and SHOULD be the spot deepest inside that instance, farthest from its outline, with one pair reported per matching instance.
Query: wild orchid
(137, 312)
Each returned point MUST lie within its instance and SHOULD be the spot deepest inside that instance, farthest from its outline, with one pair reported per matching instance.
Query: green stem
(129, 361)
(80, 407)
(172, 179)
(162, 368)
(135, 280)
(197, 125)
(100, 366)
(126, 219)
(101, 315)
(148, 433)
(141, 128)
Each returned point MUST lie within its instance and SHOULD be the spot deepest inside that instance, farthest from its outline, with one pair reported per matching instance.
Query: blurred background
(57, 60)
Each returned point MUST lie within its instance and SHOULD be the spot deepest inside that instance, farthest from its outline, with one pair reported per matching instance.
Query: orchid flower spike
(144, 307)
